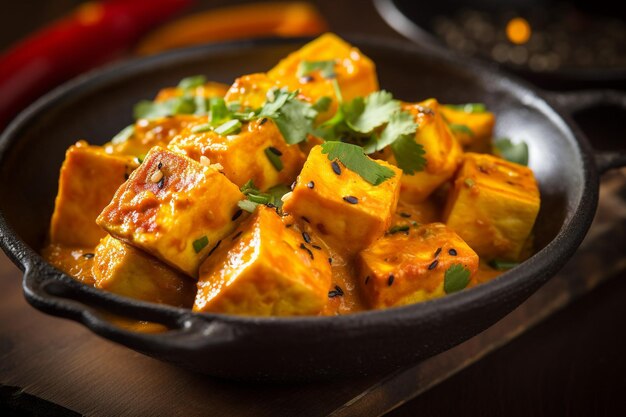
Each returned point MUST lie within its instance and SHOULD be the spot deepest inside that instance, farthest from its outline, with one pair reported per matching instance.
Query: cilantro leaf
(326, 68)
(364, 115)
(293, 117)
(468, 107)
(152, 110)
(458, 128)
(400, 124)
(354, 159)
(409, 154)
(322, 104)
(194, 81)
(273, 155)
(455, 278)
(512, 152)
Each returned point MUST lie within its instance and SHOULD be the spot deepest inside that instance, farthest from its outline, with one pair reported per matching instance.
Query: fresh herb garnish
(353, 158)
(229, 127)
(322, 104)
(469, 182)
(502, 265)
(192, 82)
(469, 107)
(409, 154)
(326, 68)
(455, 278)
(274, 158)
(123, 135)
(398, 228)
(293, 117)
(512, 152)
(366, 114)
(200, 243)
(176, 105)
(458, 128)
(254, 196)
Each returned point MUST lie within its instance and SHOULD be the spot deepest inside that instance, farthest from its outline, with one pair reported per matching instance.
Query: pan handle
(574, 101)
(60, 295)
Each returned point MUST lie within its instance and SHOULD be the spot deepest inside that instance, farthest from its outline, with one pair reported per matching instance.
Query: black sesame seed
(452, 252)
(236, 215)
(275, 151)
(433, 265)
(330, 261)
(160, 165)
(367, 279)
(305, 219)
(351, 199)
(405, 215)
(311, 184)
(336, 168)
(437, 252)
(161, 183)
(390, 280)
(306, 237)
(337, 292)
(307, 249)
(306, 79)
(289, 225)
(88, 255)
(236, 235)
(215, 247)
(263, 121)
(316, 247)
(126, 176)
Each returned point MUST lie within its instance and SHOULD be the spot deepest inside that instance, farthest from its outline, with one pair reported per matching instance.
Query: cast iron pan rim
(547, 261)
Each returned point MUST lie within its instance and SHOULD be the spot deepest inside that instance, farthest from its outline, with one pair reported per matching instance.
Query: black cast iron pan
(96, 106)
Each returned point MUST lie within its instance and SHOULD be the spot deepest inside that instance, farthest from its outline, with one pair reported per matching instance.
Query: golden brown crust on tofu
(250, 91)
(355, 73)
(169, 203)
(443, 152)
(125, 270)
(76, 262)
(480, 124)
(243, 155)
(493, 206)
(264, 268)
(89, 178)
(408, 267)
(343, 207)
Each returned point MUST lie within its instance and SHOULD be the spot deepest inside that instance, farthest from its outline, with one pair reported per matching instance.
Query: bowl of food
(298, 222)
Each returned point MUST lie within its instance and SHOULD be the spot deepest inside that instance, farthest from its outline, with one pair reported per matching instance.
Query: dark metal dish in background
(417, 21)
(95, 106)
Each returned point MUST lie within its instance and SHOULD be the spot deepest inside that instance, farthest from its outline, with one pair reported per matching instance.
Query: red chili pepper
(94, 33)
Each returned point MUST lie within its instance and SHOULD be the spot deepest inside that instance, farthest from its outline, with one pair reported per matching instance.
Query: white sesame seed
(156, 176)
(218, 166)
(286, 197)
(205, 161)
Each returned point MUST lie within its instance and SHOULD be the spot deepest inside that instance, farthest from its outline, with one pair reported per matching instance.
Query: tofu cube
(250, 91)
(246, 155)
(264, 269)
(409, 267)
(493, 206)
(207, 90)
(355, 73)
(88, 180)
(173, 208)
(341, 205)
(473, 130)
(125, 270)
(443, 152)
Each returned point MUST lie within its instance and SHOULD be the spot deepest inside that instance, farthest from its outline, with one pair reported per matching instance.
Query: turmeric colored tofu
(355, 73)
(173, 208)
(341, 205)
(473, 129)
(207, 90)
(443, 152)
(76, 262)
(250, 91)
(409, 267)
(151, 132)
(264, 269)
(125, 270)
(493, 206)
(245, 155)
(89, 178)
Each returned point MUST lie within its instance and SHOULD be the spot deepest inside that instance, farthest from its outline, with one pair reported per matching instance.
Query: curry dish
(305, 190)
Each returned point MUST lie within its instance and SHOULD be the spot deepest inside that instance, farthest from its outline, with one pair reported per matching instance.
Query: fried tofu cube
(443, 152)
(173, 208)
(406, 268)
(473, 129)
(264, 269)
(125, 270)
(493, 206)
(151, 132)
(250, 91)
(341, 205)
(89, 178)
(207, 90)
(246, 155)
(355, 73)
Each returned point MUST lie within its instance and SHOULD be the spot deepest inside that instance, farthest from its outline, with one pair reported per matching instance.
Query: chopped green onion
(455, 278)
(469, 107)
(274, 158)
(231, 126)
(512, 152)
(124, 135)
(455, 127)
(502, 265)
(200, 243)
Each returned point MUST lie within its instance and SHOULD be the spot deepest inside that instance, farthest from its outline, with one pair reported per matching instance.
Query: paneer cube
(173, 208)
(473, 129)
(125, 270)
(443, 152)
(409, 267)
(355, 73)
(207, 90)
(257, 153)
(493, 206)
(250, 91)
(151, 132)
(264, 269)
(342, 206)
(89, 178)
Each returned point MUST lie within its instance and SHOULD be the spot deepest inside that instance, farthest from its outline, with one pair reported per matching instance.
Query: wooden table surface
(571, 364)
